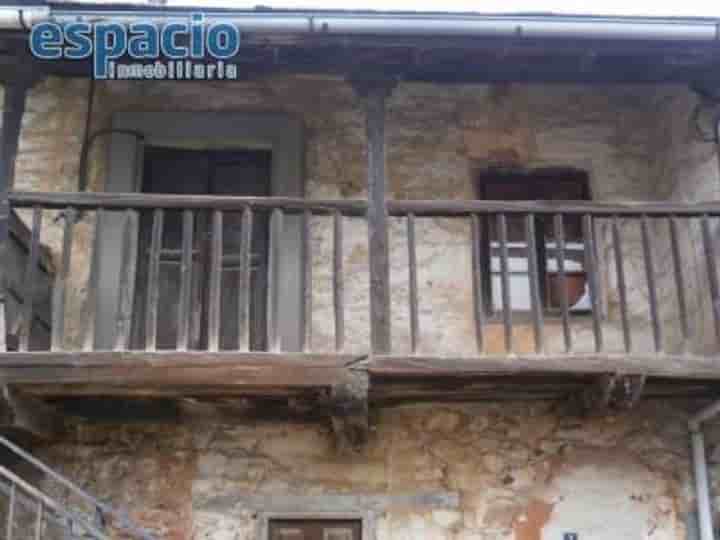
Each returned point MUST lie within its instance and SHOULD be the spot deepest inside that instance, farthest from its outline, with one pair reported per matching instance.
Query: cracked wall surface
(485, 471)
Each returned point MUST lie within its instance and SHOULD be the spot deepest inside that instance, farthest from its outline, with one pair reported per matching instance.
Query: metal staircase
(29, 514)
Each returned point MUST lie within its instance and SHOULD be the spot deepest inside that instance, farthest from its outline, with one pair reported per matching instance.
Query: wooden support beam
(28, 416)
(348, 407)
(669, 366)
(609, 393)
(374, 93)
(13, 109)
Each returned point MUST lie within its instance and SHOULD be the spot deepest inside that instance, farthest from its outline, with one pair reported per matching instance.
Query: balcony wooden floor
(392, 378)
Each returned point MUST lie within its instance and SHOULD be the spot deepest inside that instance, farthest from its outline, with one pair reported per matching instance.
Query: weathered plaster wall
(438, 137)
(504, 471)
(686, 171)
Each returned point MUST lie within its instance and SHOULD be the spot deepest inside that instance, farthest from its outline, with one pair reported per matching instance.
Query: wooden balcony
(550, 296)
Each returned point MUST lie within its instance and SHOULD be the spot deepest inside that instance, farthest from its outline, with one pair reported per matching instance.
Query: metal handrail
(120, 517)
(49, 503)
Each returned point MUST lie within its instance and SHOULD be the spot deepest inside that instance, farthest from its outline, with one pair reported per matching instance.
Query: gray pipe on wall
(391, 24)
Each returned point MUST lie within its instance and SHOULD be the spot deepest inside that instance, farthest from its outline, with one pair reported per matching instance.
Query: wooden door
(315, 529)
(197, 172)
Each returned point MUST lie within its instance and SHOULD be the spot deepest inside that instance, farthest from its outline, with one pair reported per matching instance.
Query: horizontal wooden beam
(121, 201)
(188, 370)
(661, 365)
(176, 374)
(625, 209)
(28, 416)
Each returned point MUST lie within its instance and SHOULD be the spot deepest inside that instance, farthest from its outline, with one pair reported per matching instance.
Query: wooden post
(13, 108)
(374, 93)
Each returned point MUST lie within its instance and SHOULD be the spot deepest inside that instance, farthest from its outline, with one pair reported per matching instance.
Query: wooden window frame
(521, 175)
(367, 521)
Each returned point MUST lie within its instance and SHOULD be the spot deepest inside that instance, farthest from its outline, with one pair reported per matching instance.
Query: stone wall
(490, 471)
(438, 138)
(435, 472)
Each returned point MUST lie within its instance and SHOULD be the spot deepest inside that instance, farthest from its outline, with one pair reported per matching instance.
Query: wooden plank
(377, 217)
(20, 413)
(534, 275)
(559, 233)
(710, 258)
(679, 282)
(189, 370)
(477, 282)
(307, 282)
(428, 208)
(413, 299)
(216, 269)
(505, 282)
(244, 274)
(652, 365)
(126, 296)
(15, 95)
(338, 282)
(93, 284)
(28, 315)
(650, 279)
(153, 289)
(622, 287)
(59, 288)
(186, 271)
(13, 107)
(349, 412)
(91, 201)
(274, 336)
(168, 359)
(592, 272)
(434, 208)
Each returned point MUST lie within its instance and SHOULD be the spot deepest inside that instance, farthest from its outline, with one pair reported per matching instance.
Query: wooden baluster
(93, 284)
(622, 287)
(477, 284)
(505, 280)
(534, 274)
(153, 291)
(10, 516)
(244, 273)
(652, 289)
(127, 281)
(30, 277)
(186, 271)
(338, 283)
(712, 272)
(213, 330)
(413, 298)
(592, 273)
(307, 281)
(679, 282)
(559, 233)
(39, 517)
(273, 293)
(59, 288)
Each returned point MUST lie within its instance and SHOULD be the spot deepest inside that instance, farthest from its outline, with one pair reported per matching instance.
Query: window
(315, 529)
(539, 184)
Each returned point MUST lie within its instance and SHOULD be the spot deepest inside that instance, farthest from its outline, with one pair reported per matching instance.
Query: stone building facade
(479, 471)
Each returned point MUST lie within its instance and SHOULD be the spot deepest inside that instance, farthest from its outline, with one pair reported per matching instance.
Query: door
(315, 529)
(202, 172)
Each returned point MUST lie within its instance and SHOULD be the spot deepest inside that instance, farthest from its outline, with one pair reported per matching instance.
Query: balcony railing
(468, 278)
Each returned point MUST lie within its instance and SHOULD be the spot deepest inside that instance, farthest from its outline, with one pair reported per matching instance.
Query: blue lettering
(79, 44)
(223, 40)
(46, 40)
(169, 46)
(110, 43)
(143, 42)
(197, 36)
